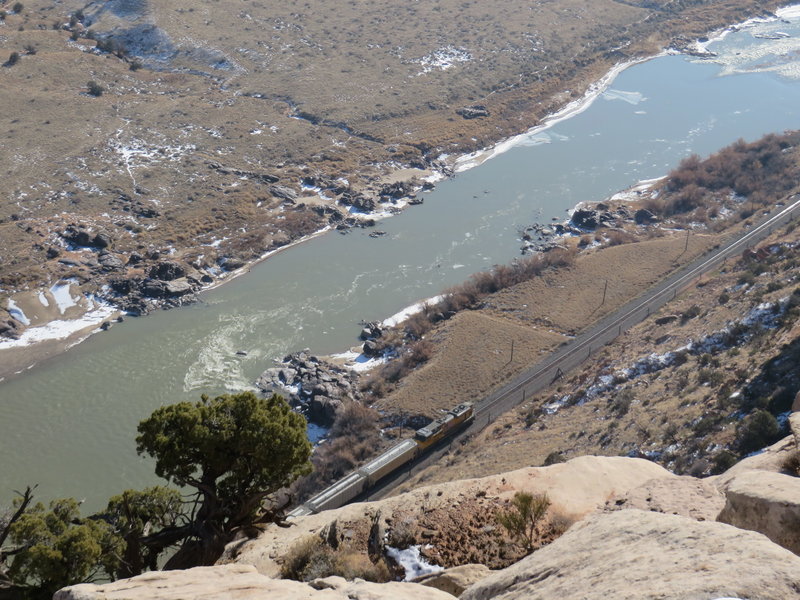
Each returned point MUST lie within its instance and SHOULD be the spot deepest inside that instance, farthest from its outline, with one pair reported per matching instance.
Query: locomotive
(363, 478)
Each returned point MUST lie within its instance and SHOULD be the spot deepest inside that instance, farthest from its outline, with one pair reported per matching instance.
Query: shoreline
(38, 348)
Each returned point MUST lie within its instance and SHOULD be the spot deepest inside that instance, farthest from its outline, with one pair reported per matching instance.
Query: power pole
(605, 289)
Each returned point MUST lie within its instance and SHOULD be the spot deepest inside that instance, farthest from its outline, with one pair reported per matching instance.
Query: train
(352, 485)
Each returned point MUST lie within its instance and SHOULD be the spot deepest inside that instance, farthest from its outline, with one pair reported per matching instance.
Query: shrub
(756, 431)
(17, 8)
(554, 458)
(622, 403)
(722, 461)
(94, 88)
(311, 558)
(690, 313)
(791, 464)
(13, 59)
(522, 520)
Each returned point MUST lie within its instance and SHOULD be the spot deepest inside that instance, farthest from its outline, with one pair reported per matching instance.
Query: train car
(390, 460)
(438, 429)
(347, 488)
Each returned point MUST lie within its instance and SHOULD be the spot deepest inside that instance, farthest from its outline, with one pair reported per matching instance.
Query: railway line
(380, 476)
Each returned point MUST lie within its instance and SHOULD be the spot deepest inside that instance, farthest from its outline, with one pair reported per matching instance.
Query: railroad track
(579, 349)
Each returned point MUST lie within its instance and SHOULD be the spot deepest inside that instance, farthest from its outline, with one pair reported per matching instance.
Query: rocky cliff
(639, 532)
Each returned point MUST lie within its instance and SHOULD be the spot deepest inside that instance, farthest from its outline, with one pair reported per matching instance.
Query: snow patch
(62, 329)
(17, 313)
(62, 296)
(409, 311)
(411, 561)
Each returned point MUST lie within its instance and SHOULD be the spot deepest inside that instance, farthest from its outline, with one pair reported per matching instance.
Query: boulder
(108, 261)
(395, 191)
(456, 579)
(242, 582)
(371, 348)
(101, 240)
(644, 217)
(167, 271)
(585, 218)
(153, 288)
(636, 555)
(178, 287)
(323, 409)
(765, 502)
(473, 112)
(283, 192)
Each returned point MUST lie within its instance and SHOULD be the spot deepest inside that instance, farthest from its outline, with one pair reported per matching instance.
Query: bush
(756, 431)
(522, 520)
(554, 458)
(13, 59)
(722, 461)
(17, 8)
(791, 464)
(94, 88)
(311, 558)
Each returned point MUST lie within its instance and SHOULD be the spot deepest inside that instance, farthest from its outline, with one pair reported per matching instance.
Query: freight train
(350, 486)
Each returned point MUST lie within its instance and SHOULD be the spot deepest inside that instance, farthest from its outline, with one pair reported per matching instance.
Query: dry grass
(351, 68)
(688, 404)
(473, 349)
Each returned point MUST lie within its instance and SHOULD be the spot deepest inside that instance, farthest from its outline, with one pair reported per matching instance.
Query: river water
(69, 425)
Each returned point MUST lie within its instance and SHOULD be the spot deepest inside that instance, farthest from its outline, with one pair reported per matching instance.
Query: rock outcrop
(312, 384)
(457, 518)
(242, 582)
(686, 496)
(455, 580)
(636, 555)
(765, 502)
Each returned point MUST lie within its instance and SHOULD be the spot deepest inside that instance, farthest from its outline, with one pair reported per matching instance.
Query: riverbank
(221, 253)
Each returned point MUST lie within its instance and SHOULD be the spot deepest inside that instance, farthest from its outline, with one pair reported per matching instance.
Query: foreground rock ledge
(242, 582)
(637, 555)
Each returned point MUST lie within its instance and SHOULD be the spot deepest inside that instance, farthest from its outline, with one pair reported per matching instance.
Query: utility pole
(686, 247)
(605, 289)
(512, 352)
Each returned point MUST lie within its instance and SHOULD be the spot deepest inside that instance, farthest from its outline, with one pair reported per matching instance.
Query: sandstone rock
(241, 582)
(769, 459)
(765, 502)
(455, 580)
(686, 496)
(576, 487)
(636, 555)
(794, 425)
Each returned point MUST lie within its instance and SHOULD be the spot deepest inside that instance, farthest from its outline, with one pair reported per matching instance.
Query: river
(69, 424)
